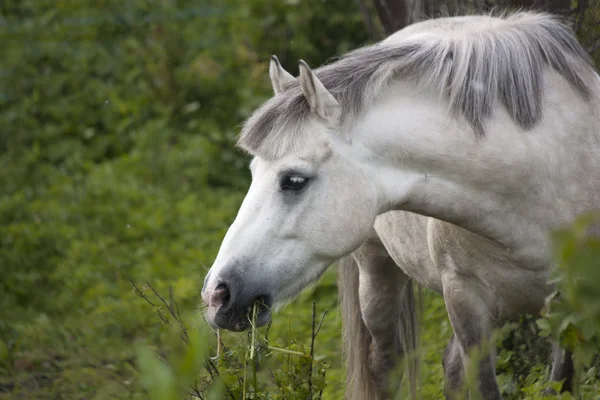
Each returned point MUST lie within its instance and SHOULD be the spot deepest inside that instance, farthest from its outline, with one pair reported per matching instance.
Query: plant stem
(252, 347)
(245, 375)
(286, 351)
(312, 351)
(253, 340)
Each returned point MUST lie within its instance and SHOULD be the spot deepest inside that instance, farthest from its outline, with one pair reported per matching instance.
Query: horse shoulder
(507, 286)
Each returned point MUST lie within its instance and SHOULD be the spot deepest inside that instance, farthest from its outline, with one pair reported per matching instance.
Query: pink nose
(220, 297)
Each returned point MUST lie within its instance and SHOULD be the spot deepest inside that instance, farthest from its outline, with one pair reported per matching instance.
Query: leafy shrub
(572, 314)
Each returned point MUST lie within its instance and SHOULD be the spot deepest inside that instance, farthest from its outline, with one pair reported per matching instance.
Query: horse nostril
(220, 296)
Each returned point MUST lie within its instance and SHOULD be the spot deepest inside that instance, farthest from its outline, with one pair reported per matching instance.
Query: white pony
(450, 150)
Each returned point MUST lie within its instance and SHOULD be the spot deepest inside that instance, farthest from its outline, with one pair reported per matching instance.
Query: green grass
(89, 356)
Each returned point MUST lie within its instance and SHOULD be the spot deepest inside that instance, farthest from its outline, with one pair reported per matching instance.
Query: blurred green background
(117, 160)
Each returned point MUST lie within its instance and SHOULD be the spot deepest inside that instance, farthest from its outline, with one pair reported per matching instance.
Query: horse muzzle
(235, 306)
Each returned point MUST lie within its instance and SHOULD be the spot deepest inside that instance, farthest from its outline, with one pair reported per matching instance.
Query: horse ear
(320, 100)
(280, 78)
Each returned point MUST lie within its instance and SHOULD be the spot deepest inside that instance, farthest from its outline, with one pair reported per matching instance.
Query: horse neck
(433, 164)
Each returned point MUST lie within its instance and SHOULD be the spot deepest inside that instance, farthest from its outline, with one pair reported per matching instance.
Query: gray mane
(499, 60)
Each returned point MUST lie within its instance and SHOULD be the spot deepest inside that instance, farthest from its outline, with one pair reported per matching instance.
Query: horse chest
(426, 249)
(513, 285)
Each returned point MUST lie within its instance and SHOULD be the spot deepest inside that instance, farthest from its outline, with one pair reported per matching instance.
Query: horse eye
(293, 182)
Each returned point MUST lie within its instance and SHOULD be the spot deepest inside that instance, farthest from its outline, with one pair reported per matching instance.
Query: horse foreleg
(470, 313)
(453, 369)
(381, 284)
(562, 368)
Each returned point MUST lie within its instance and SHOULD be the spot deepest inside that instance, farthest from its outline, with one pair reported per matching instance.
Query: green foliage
(89, 88)
(586, 20)
(572, 313)
(523, 357)
(165, 383)
(257, 368)
(118, 160)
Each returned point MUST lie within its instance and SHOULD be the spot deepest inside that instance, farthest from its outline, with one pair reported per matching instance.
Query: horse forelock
(473, 63)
